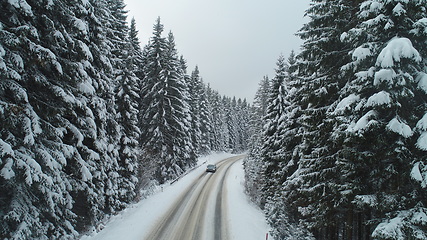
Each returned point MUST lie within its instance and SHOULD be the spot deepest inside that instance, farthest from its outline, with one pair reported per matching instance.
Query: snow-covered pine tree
(275, 117)
(135, 50)
(231, 121)
(133, 37)
(49, 82)
(293, 129)
(219, 130)
(150, 110)
(189, 151)
(195, 108)
(307, 144)
(312, 190)
(261, 98)
(165, 112)
(34, 194)
(383, 107)
(127, 62)
(227, 119)
(275, 167)
(58, 136)
(253, 162)
(107, 33)
(200, 113)
(242, 118)
(236, 122)
(204, 119)
(258, 112)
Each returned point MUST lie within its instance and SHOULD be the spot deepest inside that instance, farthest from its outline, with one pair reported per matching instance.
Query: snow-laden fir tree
(152, 67)
(384, 107)
(128, 63)
(204, 119)
(135, 52)
(242, 112)
(261, 98)
(114, 179)
(306, 150)
(259, 110)
(236, 128)
(253, 162)
(275, 116)
(231, 118)
(59, 160)
(361, 149)
(311, 184)
(195, 109)
(219, 129)
(200, 113)
(44, 117)
(165, 111)
(274, 167)
(274, 119)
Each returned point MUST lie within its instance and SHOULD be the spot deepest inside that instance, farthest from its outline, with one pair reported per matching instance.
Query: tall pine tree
(385, 116)
(165, 110)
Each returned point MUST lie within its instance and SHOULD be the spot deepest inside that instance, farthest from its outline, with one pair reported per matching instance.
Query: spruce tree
(306, 149)
(219, 130)
(231, 123)
(150, 87)
(275, 114)
(195, 109)
(383, 106)
(127, 101)
(275, 162)
(46, 119)
(204, 119)
(200, 113)
(253, 162)
(59, 159)
(165, 111)
(242, 120)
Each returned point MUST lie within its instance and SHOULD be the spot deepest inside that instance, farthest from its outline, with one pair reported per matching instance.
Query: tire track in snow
(221, 228)
(189, 217)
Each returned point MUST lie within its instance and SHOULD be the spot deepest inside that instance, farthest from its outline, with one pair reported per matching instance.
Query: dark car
(211, 168)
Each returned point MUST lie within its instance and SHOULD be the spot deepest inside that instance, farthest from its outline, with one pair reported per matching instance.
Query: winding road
(201, 211)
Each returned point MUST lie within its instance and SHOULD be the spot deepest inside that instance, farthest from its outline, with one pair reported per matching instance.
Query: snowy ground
(246, 221)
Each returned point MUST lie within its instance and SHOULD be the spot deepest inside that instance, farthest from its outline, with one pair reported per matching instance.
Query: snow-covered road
(199, 206)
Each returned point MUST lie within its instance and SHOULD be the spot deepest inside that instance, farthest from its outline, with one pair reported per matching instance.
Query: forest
(92, 120)
(343, 149)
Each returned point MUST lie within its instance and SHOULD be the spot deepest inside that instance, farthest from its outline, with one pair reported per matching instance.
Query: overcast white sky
(234, 42)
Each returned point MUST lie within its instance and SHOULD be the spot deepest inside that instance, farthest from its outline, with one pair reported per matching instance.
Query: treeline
(343, 149)
(89, 119)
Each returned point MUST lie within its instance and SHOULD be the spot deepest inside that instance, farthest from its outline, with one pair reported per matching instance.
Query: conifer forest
(91, 120)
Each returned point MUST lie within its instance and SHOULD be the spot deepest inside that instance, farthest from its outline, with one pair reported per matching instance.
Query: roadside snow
(246, 220)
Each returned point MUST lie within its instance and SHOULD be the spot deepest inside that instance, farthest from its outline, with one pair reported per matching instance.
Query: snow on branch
(422, 81)
(346, 102)
(396, 49)
(401, 128)
(23, 5)
(406, 223)
(380, 98)
(419, 173)
(364, 122)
